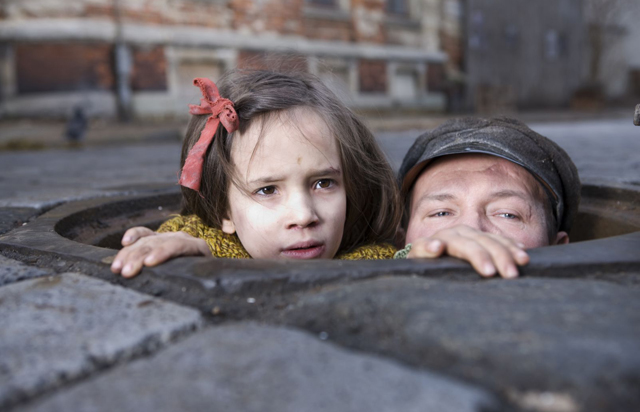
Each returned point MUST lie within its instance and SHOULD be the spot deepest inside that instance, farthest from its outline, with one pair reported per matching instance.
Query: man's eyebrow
(503, 194)
(441, 197)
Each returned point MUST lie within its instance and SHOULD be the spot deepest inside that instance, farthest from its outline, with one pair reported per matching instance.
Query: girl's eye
(441, 214)
(324, 184)
(267, 190)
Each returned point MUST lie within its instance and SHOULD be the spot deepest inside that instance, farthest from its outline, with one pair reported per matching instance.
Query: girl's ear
(228, 227)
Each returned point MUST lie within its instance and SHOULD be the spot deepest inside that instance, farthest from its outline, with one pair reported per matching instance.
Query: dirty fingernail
(522, 255)
(434, 246)
(512, 272)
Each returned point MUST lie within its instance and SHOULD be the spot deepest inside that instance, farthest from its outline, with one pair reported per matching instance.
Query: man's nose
(301, 211)
(475, 220)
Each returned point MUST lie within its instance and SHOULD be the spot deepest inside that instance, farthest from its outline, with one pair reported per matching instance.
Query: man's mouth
(304, 250)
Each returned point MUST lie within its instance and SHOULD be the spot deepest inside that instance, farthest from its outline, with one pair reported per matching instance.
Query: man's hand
(486, 252)
(144, 247)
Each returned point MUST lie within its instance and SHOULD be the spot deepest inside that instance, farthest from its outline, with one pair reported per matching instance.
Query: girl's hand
(485, 251)
(144, 247)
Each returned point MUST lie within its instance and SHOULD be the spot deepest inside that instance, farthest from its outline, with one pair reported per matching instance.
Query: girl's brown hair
(372, 196)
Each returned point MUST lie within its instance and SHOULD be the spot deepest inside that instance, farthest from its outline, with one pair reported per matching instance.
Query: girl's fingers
(154, 250)
(131, 268)
(132, 235)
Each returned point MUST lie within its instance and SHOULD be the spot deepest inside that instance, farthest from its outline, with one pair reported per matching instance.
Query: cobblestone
(578, 338)
(257, 368)
(13, 271)
(59, 328)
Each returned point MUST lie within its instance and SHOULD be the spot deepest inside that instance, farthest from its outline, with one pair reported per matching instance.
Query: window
(554, 45)
(398, 7)
(322, 3)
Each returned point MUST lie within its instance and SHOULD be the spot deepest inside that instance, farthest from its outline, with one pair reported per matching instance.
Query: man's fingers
(505, 253)
(132, 235)
(519, 255)
(501, 256)
(474, 253)
(427, 248)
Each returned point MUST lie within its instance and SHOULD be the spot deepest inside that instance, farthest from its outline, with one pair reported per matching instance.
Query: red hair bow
(221, 110)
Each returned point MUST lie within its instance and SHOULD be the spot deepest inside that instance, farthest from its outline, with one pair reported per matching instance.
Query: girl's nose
(301, 212)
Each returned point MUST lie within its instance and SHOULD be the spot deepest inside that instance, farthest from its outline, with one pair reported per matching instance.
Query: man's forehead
(460, 172)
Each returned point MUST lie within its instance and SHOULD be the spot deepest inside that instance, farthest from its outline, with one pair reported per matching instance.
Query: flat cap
(506, 138)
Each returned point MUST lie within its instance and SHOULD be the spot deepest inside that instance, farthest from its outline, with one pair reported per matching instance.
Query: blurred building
(141, 56)
(619, 71)
(523, 53)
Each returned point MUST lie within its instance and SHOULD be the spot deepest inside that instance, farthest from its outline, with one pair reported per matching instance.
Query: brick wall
(368, 19)
(436, 78)
(51, 67)
(373, 76)
(452, 45)
(149, 69)
(277, 16)
(327, 29)
(273, 61)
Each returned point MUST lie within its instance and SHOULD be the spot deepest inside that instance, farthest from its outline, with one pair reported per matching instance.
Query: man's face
(484, 192)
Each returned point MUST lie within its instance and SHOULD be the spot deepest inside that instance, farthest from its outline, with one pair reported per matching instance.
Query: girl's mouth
(303, 250)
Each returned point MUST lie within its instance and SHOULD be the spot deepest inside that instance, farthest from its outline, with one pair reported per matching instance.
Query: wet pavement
(333, 336)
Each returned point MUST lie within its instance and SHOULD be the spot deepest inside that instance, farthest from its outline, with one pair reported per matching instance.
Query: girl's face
(295, 202)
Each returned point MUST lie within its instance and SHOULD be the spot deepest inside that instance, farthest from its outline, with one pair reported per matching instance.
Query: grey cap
(506, 138)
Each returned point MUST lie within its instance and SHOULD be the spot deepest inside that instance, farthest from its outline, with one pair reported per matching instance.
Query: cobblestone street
(198, 334)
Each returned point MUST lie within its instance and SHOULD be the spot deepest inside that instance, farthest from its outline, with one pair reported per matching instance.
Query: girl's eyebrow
(331, 171)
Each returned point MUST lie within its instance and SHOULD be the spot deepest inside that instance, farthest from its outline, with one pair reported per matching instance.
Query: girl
(290, 173)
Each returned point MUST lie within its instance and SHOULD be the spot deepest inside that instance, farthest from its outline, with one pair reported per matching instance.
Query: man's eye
(441, 214)
(508, 215)
(267, 190)
(324, 184)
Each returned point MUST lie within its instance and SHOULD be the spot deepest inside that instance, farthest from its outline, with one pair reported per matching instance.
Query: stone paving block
(575, 339)
(62, 327)
(13, 271)
(43, 179)
(248, 367)
(11, 217)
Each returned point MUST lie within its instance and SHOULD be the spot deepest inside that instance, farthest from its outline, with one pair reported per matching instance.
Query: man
(485, 190)
(480, 190)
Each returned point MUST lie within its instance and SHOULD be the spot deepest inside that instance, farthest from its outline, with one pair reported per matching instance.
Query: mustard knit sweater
(223, 245)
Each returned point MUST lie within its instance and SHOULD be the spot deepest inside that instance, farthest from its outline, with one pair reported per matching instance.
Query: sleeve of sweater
(375, 251)
(220, 244)
(223, 245)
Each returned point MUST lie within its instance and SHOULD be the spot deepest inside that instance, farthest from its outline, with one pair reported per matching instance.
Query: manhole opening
(604, 212)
